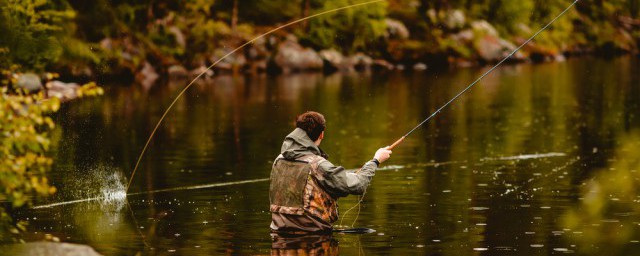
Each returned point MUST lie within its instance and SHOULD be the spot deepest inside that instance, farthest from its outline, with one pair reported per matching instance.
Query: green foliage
(508, 14)
(24, 136)
(37, 33)
(352, 30)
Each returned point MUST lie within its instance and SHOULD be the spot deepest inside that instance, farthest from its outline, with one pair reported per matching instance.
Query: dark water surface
(497, 173)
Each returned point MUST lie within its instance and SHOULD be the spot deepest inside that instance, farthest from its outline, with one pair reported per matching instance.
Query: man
(305, 185)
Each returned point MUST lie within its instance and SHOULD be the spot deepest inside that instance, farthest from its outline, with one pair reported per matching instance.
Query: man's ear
(322, 135)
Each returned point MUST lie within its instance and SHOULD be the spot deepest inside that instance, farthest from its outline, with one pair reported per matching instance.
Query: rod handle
(396, 143)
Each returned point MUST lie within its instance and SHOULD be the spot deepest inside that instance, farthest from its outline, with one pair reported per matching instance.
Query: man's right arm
(339, 182)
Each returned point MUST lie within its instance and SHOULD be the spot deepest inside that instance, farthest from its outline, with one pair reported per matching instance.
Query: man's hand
(382, 154)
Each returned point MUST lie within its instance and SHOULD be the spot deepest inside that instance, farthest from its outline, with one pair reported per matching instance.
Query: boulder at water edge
(292, 56)
(48, 249)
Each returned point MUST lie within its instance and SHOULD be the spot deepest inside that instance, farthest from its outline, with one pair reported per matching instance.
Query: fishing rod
(397, 142)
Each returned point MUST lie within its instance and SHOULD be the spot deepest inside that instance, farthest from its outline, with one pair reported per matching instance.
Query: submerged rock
(48, 249)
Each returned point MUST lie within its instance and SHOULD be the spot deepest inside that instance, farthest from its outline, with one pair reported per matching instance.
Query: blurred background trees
(119, 37)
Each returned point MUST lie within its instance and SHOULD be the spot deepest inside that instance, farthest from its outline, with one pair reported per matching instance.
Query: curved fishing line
(224, 57)
(483, 75)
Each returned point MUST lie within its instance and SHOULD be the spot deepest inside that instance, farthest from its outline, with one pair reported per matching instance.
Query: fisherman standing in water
(305, 185)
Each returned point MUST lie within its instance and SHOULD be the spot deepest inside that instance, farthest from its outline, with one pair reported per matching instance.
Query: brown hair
(311, 122)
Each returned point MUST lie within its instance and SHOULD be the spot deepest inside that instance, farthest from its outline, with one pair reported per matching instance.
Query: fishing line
(482, 76)
(203, 186)
(144, 149)
(397, 142)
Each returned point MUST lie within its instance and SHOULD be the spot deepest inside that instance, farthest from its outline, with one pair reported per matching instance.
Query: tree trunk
(234, 16)
(304, 9)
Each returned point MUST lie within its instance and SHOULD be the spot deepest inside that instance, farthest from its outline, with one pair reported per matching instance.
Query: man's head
(313, 123)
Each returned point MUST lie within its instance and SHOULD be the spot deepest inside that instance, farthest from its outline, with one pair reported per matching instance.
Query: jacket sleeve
(340, 182)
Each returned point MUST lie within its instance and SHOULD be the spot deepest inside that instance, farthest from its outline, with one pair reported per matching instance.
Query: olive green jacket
(338, 181)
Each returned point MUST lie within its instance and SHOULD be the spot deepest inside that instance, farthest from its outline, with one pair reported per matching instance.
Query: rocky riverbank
(461, 43)
(31, 83)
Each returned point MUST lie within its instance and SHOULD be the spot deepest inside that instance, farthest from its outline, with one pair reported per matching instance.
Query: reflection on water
(495, 173)
(605, 219)
(318, 244)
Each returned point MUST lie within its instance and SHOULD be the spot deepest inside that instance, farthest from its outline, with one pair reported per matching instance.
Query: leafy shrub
(24, 136)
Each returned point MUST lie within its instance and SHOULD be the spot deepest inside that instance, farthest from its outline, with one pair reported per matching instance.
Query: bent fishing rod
(397, 142)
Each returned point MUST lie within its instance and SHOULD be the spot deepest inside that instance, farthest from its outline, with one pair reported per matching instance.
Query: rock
(492, 48)
(48, 249)
(482, 27)
(464, 37)
(361, 61)
(179, 36)
(147, 75)
(177, 72)
(524, 29)
(396, 29)
(229, 62)
(29, 82)
(420, 66)
(382, 64)
(460, 62)
(292, 56)
(199, 70)
(61, 90)
(333, 59)
(455, 19)
(106, 44)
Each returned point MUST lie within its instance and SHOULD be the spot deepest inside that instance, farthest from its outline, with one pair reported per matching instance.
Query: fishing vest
(295, 189)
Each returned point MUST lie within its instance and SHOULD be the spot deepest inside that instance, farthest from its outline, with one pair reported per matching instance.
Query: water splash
(103, 185)
(113, 192)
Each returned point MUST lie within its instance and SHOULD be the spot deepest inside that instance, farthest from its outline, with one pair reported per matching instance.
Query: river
(506, 169)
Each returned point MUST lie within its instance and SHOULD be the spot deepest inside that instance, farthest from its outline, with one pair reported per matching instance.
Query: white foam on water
(524, 157)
